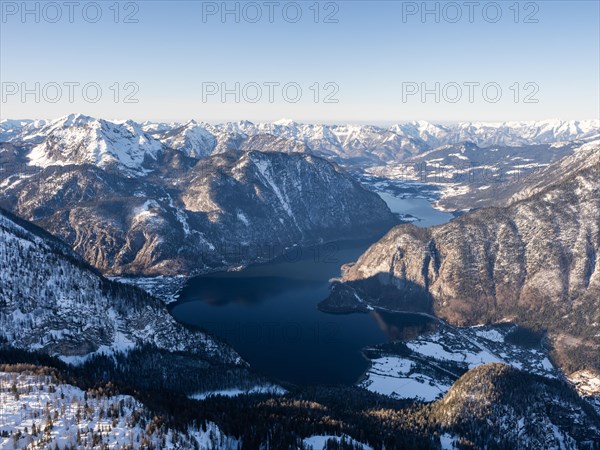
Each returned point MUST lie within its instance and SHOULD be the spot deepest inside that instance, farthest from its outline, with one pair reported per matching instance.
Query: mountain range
(348, 144)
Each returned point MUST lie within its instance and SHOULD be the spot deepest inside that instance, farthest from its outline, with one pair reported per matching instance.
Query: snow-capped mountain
(10, 129)
(147, 198)
(79, 139)
(523, 133)
(368, 143)
(431, 134)
(19, 130)
(485, 134)
(180, 199)
(192, 138)
(344, 142)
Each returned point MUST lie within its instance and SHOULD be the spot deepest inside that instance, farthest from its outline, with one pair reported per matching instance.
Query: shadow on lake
(269, 314)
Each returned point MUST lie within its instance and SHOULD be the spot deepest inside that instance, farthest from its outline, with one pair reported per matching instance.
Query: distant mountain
(191, 138)
(353, 143)
(433, 135)
(471, 176)
(269, 142)
(533, 261)
(19, 130)
(78, 139)
(514, 134)
(348, 144)
(52, 302)
(369, 144)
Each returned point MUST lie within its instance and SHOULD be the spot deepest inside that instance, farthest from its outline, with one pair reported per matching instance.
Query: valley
(275, 269)
(320, 225)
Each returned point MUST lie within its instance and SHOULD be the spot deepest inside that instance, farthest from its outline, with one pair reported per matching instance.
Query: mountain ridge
(532, 261)
(344, 143)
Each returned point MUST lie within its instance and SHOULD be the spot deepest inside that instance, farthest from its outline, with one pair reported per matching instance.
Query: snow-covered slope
(19, 130)
(79, 139)
(53, 302)
(37, 410)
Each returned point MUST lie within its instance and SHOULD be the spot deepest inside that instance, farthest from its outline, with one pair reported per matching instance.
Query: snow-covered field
(437, 359)
(447, 441)
(162, 287)
(397, 377)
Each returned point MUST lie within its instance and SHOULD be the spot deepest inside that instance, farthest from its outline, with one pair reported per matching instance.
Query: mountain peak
(284, 122)
(74, 120)
(191, 123)
(81, 139)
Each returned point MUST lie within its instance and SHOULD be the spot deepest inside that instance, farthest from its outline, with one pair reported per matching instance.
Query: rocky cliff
(533, 261)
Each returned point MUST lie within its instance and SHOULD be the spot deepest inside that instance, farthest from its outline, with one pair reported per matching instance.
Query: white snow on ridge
(266, 171)
(200, 139)
(78, 139)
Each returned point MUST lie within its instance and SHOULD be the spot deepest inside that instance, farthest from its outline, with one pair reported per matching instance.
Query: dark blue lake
(269, 314)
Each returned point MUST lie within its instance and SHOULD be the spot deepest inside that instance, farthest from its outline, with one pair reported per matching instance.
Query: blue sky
(365, 59)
